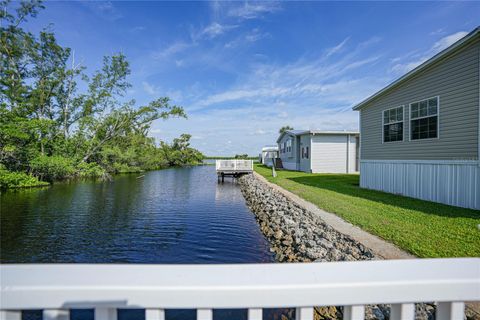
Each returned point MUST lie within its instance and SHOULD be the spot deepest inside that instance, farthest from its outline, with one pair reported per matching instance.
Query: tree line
(58, 122)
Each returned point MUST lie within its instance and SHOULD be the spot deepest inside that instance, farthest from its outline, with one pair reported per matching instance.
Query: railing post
(56, 314)
(304, 313)
(204, 314)
(154, 314)
(404, 311)
(255, 314)
(105, 313)
(450, 311)
(10, 315)
(354, 312)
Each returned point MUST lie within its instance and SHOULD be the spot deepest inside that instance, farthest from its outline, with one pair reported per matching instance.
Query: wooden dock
(233, 168)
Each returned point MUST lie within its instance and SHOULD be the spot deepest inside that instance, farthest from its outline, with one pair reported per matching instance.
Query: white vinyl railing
(57, 288)
(234, 165)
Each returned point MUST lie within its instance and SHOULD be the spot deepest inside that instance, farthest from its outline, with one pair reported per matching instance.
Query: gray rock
(296, 234)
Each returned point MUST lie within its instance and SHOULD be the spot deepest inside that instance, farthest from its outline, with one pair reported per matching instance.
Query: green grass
(426, 229)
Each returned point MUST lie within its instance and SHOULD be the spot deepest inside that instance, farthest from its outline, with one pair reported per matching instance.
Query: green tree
(51, 129)
(284, 129)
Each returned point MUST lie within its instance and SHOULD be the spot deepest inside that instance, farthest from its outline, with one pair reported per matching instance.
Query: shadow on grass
(348, 184)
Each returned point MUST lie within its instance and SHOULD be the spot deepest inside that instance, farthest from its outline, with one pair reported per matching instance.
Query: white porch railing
(57, 288)
(234, 165)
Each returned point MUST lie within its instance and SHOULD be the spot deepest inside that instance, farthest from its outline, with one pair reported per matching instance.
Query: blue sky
(242, 70)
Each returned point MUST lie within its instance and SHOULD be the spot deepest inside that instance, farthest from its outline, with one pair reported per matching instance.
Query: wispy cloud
(150, 89)
(172, 49)
(214, 30)
(253, 10)
(447, 41)
(137, 29)
(247, 38)
(410, 61)
(337, 48)
(103, 9)
(256, 35)
(324, 82)
(437, 32)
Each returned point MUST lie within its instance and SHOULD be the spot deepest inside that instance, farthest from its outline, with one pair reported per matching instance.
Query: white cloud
(437, 32)
(311, 92)
(103, 9)
(157, 130)
(305, 80)
(172, 49)
(253, 10)
(256, 35)
(137, 29)
(447, 41)
(214, 30)
(337, 48)
(443, 43)
(246, 39)
(150, 89)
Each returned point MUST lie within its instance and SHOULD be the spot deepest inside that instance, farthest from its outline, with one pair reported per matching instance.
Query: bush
(124, 168)
(13, 179)
(90, 170)
(52, 168)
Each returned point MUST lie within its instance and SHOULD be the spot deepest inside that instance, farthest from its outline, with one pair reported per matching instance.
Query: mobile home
(420, 135)
(268, 155)
(319, 151)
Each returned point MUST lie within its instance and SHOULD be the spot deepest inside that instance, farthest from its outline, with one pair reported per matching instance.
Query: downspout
(478, 124)
(348, 153)
(359, 142)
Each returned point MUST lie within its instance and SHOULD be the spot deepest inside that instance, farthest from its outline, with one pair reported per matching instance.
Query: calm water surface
(179, 215)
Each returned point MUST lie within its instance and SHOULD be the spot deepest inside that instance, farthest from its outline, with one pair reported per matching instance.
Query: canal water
(178, 215)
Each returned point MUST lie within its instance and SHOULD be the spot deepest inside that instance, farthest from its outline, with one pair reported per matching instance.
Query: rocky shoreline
(298, 235)
(294, 233)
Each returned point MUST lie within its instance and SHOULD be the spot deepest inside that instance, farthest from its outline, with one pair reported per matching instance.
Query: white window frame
(410, 119)
(403, 121)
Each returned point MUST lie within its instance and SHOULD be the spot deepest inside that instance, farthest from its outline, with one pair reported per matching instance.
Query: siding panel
(456, 81)
(288, 158)
(454, 183)
(305, 162)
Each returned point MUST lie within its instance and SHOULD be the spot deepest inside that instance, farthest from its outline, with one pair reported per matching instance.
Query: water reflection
(168, 216)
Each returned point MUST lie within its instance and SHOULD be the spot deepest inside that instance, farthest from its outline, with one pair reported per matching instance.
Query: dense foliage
(16, 179)
(237, 156)
(50, 129)
(284, 129)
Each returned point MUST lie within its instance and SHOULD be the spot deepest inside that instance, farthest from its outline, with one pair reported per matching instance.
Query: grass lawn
(426, 229)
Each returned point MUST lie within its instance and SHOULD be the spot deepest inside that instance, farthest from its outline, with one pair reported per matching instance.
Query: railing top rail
(27, 286)
(241, 164)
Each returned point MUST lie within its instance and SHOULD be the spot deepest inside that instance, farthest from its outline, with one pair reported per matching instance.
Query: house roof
(269, 148)
(451, 49)
(303, 132)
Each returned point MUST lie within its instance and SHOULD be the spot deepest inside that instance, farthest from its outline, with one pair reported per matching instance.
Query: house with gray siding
(420, 135)
(319, 151)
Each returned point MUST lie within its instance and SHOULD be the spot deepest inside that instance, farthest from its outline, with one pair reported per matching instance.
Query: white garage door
(329, 153)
